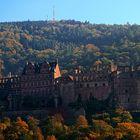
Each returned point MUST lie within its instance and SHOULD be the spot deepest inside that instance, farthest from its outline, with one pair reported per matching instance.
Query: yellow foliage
(45, 53)
(52, 137)
(92, 48)
(27, 36)
(129, 129)
(92, 135)
(103, 128)
(11, 43)
(116, 119)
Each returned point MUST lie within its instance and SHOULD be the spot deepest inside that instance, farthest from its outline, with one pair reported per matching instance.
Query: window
(87, 85)
(126, 91)
(96, 85)
(48, 90)
(104, 84)
(131, 75)
(81, 85)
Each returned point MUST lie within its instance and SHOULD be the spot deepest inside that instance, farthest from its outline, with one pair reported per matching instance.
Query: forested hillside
(74, 43)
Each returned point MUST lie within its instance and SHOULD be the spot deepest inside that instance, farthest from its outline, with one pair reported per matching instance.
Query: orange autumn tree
(18, 129)
(38, 134)
(120, 115)
(33, 126)
(81, 130)
(52, 137)
(102, 129)
(82, 121)
(54, 125)
(128, 130)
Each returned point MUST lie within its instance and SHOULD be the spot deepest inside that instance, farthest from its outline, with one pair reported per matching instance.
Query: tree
(120, 115)
(54, 125)
(38, 135)
(52, 137)
(33, 123)
(102, 128)
(18, 130)
(128, 130)
(82, 121)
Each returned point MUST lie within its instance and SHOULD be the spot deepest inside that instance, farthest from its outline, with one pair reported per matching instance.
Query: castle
(36, 83)
(41, 86)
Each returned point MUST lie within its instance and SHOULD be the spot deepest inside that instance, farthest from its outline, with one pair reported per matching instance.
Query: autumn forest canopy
(116, 125)
(73, 43)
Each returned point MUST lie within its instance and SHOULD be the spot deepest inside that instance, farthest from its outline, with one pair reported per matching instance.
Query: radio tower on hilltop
(53, 13)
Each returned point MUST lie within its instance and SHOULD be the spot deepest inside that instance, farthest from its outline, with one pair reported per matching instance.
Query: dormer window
(29, 69)
(45, 67)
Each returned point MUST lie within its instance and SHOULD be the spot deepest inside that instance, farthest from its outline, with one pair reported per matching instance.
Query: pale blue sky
(95, 11)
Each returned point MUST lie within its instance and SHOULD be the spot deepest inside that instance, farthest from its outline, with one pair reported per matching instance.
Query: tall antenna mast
(53, 13)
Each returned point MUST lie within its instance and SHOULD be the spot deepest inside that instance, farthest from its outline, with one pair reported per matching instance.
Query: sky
(94, 11)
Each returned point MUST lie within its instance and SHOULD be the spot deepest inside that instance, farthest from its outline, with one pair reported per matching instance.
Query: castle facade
(41, 86)
(34, 88)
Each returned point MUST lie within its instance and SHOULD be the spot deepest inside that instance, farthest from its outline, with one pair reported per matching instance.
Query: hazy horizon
(70, 19)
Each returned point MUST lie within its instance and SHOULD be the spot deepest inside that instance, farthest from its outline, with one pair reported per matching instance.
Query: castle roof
(36, 67)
